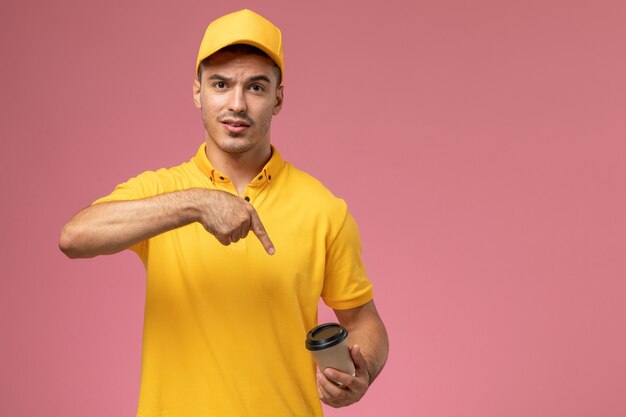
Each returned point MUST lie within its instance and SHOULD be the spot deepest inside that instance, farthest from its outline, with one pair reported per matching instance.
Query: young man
(226, 313)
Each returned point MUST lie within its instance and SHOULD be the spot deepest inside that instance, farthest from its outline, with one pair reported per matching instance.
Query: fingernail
(329, 372)
(271, 251)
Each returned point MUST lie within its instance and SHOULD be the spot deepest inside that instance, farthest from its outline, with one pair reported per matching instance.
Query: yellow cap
(245, 27)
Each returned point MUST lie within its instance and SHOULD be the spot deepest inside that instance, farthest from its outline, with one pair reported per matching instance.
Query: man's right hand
(106, 228)
(230, 218)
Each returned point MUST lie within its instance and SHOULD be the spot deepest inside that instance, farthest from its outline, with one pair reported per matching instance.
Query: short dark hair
(243, 49)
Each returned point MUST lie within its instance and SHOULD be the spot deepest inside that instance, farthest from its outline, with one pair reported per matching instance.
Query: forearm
(108, 228)
(374, 345)
(366, 329)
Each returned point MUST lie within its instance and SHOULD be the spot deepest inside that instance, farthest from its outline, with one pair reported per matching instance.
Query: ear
(279, 100)
(196, 94)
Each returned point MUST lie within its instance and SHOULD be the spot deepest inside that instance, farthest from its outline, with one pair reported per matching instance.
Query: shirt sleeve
(142, 186)
(346, 284)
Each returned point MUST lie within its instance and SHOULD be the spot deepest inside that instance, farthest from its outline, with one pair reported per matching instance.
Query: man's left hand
(353, 387)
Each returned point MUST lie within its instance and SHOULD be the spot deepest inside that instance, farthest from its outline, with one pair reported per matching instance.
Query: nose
(237, 100)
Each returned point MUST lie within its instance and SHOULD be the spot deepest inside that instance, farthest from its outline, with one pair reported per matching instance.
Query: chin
(234, 146)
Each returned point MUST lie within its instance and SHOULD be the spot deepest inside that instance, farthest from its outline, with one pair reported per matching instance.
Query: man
(226, 313)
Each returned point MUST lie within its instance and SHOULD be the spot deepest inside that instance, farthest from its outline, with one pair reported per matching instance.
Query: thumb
(359, 360)
(259, 230)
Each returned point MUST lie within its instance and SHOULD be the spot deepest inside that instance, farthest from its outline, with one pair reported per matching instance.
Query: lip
(234, 126)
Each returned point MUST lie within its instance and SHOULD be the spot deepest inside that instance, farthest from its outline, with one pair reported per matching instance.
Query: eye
(257, 87)
(220, 85)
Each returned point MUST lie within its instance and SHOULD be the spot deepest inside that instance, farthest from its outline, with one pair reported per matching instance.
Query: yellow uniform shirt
(224, 326)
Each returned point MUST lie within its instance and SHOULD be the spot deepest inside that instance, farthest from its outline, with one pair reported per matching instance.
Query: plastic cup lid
(325, 336)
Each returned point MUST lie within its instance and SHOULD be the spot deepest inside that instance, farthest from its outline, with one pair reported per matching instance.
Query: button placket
(222, 182)
(251, 192)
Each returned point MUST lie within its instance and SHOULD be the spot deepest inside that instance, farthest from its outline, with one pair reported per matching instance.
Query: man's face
(238, 96)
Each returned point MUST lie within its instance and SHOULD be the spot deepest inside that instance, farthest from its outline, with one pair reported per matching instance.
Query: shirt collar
(269, 172)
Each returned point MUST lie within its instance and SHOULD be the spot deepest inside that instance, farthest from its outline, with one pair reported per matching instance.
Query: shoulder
(184, 175)
(314, 195)
(161, 181)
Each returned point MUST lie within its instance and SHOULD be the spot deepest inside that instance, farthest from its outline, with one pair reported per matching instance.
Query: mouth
(235, 126)
(232, 121)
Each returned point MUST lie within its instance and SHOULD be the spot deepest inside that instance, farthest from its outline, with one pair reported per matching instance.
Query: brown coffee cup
(328, 343)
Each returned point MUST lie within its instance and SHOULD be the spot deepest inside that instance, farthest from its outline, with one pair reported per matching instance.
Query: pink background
(479, 144)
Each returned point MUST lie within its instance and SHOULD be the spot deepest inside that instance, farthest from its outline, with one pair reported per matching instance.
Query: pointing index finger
(259, 230)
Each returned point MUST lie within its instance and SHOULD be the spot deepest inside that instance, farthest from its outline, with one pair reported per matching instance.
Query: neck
(241, 168)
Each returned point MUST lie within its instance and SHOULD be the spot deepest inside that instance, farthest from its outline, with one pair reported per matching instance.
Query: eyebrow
(220, 77)
(260, 78)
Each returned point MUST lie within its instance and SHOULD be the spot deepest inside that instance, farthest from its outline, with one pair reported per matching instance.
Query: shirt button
(246, 198)
(221, 178)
